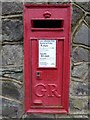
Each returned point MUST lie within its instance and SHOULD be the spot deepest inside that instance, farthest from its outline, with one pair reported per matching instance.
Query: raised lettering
(40, 90)
(49, 90)
(53, 90)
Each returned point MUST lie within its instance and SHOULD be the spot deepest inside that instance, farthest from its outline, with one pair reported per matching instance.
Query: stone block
(0, 106)
(9, 89)
(0, 89)
(79, 105)
(71, 117)
(12, 55)
(63, 117)
(10, 109)
(58, 1)
(36, 1)
(42, 1)
(87, 77)
(11, 7)
(80, 70)
(88, 19)
(76, 15)
(47, 1)
(18, 1)
(80, 54)
(79, 89)
(0, 39)
(39, 116)
(12, 72)
(82, 36)
(84, 5)
(12, 30)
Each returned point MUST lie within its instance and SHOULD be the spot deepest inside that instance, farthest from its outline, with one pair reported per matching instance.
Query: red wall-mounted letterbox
(47, 58)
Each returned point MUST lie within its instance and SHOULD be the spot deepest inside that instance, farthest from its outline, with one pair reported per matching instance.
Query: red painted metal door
(47, 76)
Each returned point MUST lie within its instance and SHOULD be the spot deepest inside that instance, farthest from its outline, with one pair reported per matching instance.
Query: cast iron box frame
(34, 33)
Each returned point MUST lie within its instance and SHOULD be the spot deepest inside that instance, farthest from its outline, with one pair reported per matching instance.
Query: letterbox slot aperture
(47, 24)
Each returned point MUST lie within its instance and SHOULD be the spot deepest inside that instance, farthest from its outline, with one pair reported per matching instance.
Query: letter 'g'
(40, 90)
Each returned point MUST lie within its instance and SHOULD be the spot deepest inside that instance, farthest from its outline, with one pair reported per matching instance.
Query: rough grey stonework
(85, 5)
(12, 55)
(12, 30)
(79, 105)
(10, 109)
(88, 19)
(77, 14)
(82, 36)
(80, 54)
(10, 90)
(79, 88)
(11, 72)
(11, 8)
(16, 73)
(80, 70)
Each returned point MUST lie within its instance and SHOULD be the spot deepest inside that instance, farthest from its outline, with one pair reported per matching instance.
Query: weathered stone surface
(37, 1)
(72, 117)
(12, 69)
(63, 117)
(89, 103)
(0, 62)
(79, 89)
(11, 7)
(39, 116)
(0, 87)
(58, 1)
(76, 15)
(42, 1)
(0, 107)
(10, 90)
(82, 36)
(0, 38)
(10, 109)
(12, 72)
(87, 77)
(88, 19)
(80, 70)
(12, 30)
(85, 5)
(18, 1)
(12, 55)
(79, 105)
(89, 88)
(47, 1)
(80, 54)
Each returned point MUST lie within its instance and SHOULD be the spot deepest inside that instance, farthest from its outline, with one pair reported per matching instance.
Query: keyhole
(38, 74)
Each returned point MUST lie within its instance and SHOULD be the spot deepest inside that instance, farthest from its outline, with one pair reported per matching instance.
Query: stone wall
(11, 71)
